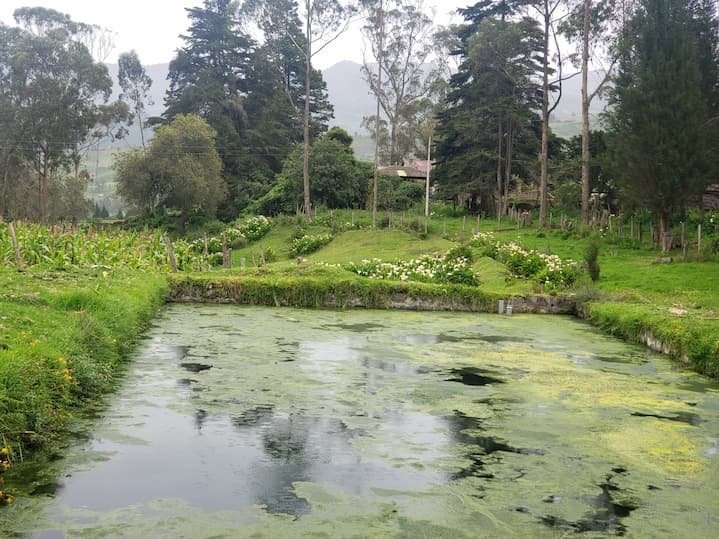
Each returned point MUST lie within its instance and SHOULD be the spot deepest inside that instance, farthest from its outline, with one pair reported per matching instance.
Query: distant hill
(351, 97)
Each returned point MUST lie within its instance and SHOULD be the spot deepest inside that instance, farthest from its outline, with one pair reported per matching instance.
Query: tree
(209, 76)
(135, 86)
(282, 38)
(659, 119)
(591, 25)
(325, 21)
(180, 171)
(489, 131)
(338, 179)
(401, 39)
(57, 93)
(547, 11)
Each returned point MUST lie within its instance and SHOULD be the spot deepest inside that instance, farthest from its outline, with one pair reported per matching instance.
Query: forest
(246, 121)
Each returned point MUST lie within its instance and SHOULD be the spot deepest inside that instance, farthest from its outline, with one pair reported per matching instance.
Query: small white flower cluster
(436, 268)
(251, 229)
(308, 244)
(549, 270)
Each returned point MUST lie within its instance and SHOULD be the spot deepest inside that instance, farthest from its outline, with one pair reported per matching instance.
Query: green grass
(63, 336)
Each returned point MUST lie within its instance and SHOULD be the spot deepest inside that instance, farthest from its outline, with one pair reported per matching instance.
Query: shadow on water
(471, 376)
(195, 367)
(605, 519)
(682, 417)
(356, 328)
(463, 429)
(296, 447)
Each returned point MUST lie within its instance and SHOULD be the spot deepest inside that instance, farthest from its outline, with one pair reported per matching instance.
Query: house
(412, 170)
(711, 197)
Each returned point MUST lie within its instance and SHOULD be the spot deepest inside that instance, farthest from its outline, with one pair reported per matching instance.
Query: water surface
(244, 421)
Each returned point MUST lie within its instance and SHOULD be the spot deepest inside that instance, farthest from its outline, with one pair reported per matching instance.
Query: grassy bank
(318, 286)
(673, 305)
(63, 337)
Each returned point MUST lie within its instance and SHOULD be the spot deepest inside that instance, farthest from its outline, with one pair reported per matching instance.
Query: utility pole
(426, 182)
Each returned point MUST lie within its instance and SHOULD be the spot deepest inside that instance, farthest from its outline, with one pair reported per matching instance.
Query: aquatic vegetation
(386, 424)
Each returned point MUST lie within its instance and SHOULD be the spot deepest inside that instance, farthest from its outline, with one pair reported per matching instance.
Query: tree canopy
(181, 169)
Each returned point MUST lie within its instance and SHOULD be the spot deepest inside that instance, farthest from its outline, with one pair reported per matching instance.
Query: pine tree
(659, 121)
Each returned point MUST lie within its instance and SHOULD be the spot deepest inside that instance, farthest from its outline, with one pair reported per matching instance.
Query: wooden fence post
(13, 239)
(224, 251)
(171, 254)
(699, 237)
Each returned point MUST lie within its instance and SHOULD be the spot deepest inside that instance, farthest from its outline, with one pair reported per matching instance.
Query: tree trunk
(138, 111)
(394, 150)
(500, 206)
(43, 190)
(3, 192)
(306, 153)
(585, 115)
(545, 122)
(508, 166)
(664, 235)
(375, 183)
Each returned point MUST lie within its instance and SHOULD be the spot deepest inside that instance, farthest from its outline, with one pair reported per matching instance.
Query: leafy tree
(180, 171)
(282, 47)
(659, 118)
(135, 86)
(338, 179)
(56, 95)
(548, 13)
(209, 77)
(592, 26)
(325, 21)
(401, 37)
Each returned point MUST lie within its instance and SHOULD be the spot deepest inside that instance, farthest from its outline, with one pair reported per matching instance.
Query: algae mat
(257, 422)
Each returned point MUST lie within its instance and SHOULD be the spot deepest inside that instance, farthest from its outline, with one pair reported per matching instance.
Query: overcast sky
(152, 27)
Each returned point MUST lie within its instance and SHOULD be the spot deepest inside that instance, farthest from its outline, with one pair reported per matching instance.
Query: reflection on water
(251, 421)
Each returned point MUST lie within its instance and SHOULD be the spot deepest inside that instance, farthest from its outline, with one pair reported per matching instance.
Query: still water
(243, 421)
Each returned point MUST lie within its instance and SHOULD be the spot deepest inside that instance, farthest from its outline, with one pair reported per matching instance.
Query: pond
(249, 421)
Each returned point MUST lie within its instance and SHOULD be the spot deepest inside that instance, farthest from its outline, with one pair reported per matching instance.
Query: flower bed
(308, 244)
(549, 270)
(451, 267)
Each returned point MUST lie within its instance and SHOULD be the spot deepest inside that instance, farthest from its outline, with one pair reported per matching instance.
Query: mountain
(352, 99)
(350, 96)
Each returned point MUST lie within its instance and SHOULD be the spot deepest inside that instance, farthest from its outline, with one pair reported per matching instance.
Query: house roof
(404, 172)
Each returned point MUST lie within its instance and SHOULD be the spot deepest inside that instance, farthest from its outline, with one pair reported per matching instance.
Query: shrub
(308, 244)
(591, 255)
(451, 267)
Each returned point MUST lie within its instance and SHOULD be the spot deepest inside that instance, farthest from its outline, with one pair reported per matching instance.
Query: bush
(308, 244)
(591, 255)
(452, 267)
